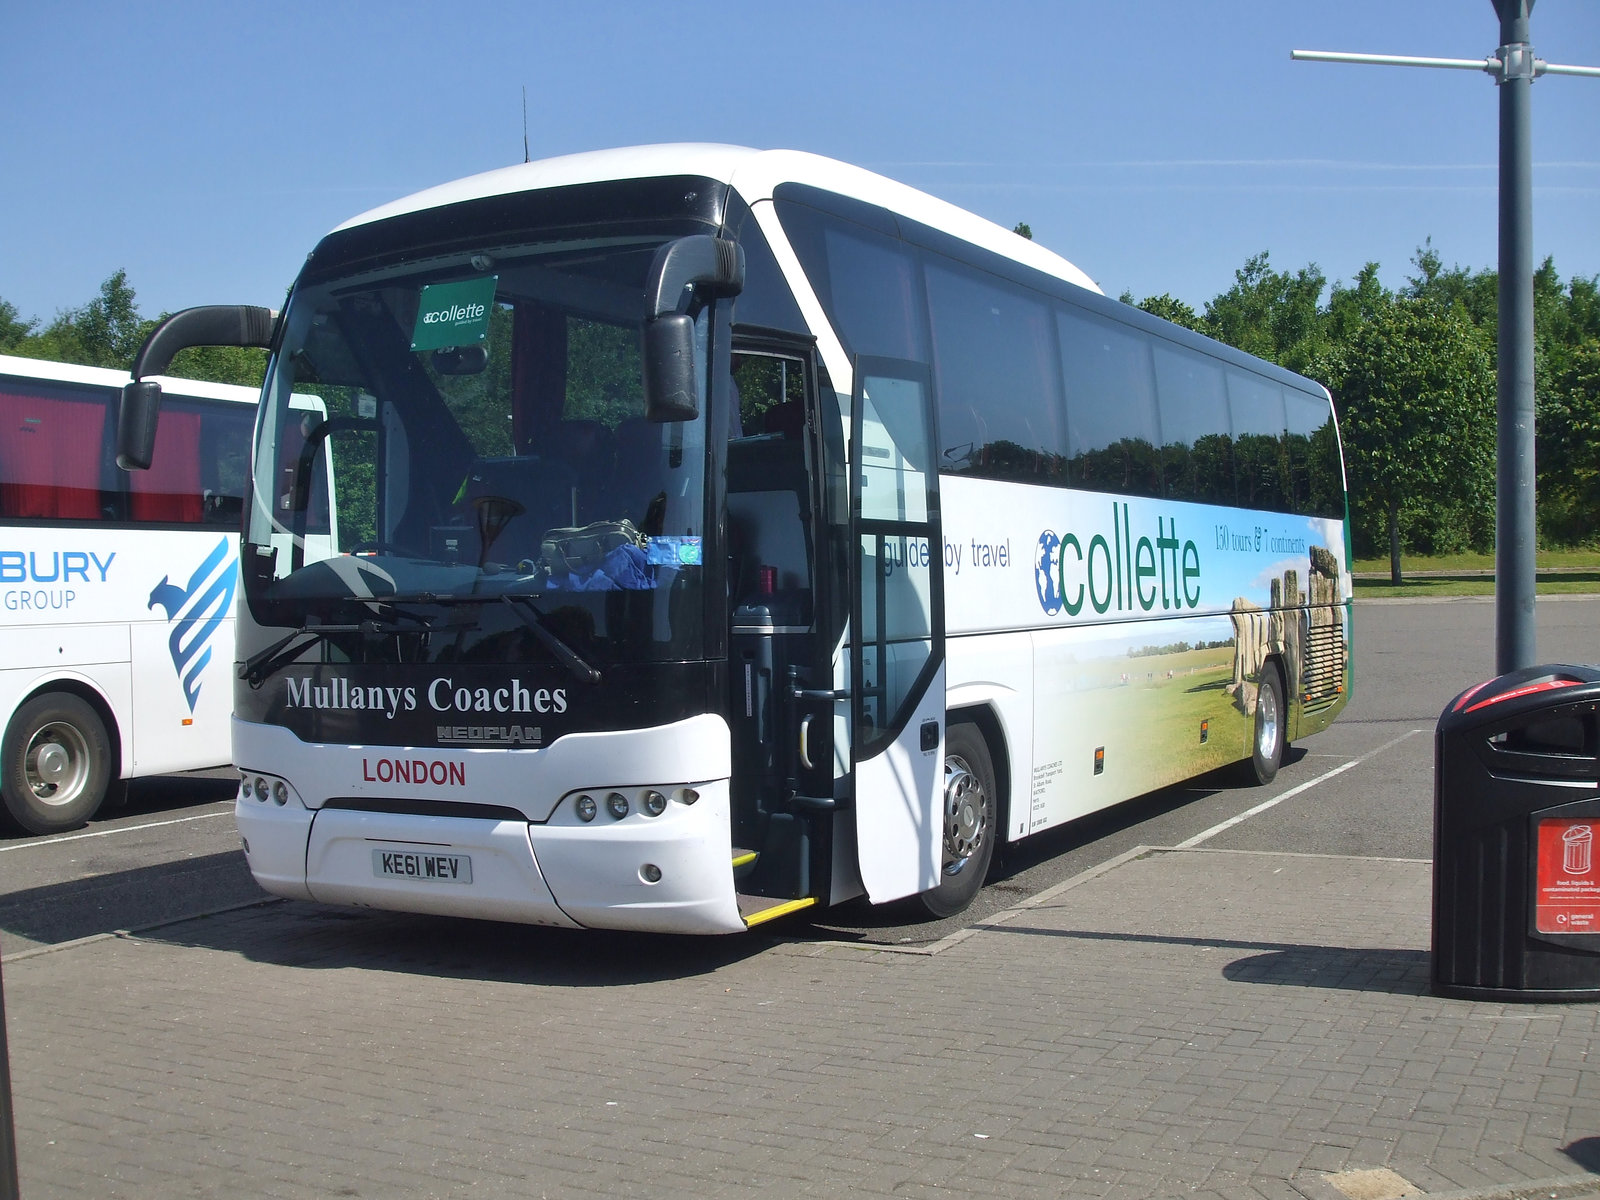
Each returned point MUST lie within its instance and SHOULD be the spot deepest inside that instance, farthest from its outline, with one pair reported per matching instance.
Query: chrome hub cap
(1267, 722)
(965, 815)
(57, 764)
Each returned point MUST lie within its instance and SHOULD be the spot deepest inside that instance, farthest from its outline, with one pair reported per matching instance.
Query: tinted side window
(765, 300)
(867, 282)
(197, 474)
(997, 378)
(1112, 432)
(1197, 446)
(54, 461)
(1315, 480)
(1261, 466)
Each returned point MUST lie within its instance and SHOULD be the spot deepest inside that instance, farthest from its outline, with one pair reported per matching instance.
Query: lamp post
(1514, 69)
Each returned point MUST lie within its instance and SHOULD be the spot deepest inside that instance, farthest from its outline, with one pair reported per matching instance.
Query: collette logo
(1118, 572)
(456, 312)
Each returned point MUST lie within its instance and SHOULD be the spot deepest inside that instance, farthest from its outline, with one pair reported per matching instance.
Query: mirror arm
(208, 325)
(712, 264)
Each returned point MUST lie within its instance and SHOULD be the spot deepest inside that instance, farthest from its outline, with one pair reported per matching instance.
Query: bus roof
(60, 372)
(754, 174)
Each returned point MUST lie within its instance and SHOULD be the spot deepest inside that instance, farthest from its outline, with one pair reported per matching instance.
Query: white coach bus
(748, 532)
(117, 590)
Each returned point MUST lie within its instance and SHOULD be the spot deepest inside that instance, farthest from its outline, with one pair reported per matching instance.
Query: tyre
(55, 763)
(970, 823)
(1271, 731)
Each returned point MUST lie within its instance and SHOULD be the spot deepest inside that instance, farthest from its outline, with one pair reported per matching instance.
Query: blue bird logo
(195, 613)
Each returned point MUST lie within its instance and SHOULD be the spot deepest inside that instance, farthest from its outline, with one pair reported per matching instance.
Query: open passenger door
(897, 630)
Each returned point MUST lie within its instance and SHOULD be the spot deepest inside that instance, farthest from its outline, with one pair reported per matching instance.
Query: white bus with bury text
(117, 590)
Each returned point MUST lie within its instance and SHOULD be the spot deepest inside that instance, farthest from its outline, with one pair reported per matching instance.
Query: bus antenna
(525, 156)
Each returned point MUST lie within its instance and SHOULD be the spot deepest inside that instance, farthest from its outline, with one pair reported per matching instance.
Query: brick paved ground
(1197, 1023)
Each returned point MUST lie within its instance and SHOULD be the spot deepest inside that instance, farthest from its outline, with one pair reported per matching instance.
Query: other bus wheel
(1271, 733)
(969, 822)
(55, 763)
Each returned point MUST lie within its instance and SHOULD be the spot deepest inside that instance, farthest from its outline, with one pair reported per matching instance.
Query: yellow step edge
(749, 856)
(779, 910)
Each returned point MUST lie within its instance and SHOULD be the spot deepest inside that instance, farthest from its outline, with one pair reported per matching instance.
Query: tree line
(108, 331)
(1412, 373)
(1411, 370)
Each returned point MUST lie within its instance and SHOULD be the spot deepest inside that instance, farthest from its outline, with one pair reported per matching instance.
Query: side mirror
(681, 268)
(670, 389)
(136, 425)
(211, 325)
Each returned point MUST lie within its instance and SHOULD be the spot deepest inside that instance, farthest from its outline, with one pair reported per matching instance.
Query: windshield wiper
(531, 616)
(260, 666)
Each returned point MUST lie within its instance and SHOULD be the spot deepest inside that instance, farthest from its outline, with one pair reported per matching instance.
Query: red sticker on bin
(1567, 883)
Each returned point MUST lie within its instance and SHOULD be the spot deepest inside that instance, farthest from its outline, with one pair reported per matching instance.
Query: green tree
(220, 364)
(1023, 229)
(1351, 307)
(1271, 314)
(1415, 392)
(1475, 292)
(106, 332)
(1169, 308)
(13, 329)
(1568, 449)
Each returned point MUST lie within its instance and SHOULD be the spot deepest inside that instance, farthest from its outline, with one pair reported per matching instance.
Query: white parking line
(1294, 791)
(77, 837)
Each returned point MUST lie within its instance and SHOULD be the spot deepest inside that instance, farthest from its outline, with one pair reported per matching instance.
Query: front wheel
(55, 763)
(969, 822)
(1271, 731)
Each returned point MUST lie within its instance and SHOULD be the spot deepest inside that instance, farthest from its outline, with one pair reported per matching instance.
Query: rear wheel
(55, 763)
(969, 822)
(1271, 731)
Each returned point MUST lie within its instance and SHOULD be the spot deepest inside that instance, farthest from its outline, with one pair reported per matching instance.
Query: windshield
(490, 453)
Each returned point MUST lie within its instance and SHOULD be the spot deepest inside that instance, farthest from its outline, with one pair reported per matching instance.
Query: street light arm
(1491, 65)
(1544, 68)
(1522, 62)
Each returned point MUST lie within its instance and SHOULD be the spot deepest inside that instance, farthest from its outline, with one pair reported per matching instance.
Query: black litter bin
(1516, 838)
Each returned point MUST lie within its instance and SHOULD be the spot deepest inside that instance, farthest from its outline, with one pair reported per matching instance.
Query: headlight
(586, 808)
(617, 805)
(655, 803)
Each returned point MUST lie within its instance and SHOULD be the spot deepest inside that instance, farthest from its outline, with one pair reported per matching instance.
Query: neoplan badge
(454, 314)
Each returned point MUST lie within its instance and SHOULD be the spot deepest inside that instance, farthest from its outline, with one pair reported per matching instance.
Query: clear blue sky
(205, 147)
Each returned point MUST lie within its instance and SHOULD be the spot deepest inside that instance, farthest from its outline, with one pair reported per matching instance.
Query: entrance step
(757, 910)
